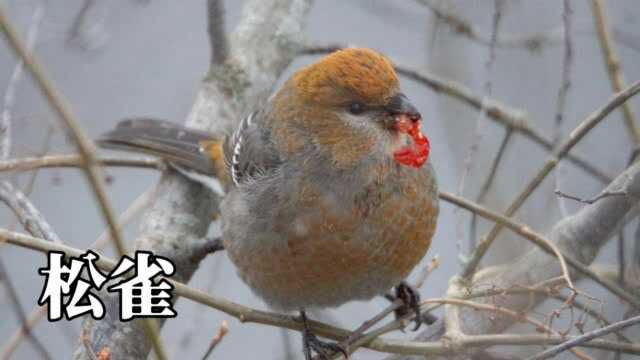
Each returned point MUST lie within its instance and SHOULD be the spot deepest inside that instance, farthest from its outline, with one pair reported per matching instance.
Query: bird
(330, 195)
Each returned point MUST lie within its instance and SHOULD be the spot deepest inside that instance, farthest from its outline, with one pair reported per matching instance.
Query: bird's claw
(411, 300)
(324, 349)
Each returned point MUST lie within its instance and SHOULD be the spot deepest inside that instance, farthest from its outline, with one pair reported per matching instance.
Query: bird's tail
(188, 148)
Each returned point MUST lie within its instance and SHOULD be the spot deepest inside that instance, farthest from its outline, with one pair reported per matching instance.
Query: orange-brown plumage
(350, 74)
(328, 252)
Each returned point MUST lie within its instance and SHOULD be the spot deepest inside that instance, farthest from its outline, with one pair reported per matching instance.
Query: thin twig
(549, 353)
(633, 269)
(428, 269)
(10, 93)
(436, 30)
(517, 316)
(602, 195)
(612, 64)
(217, 34)
(28, 215)
(621, 258)
(19, 312)
(480, 340)
(533, 42)
(195, 325)
(75, 161)
(87, 29)
(549, 289)
(222, 331)
(346, 343)
(483, 341)
(567, 60)
(487, 92)
(576, 135)
(486, 186)
(46, 145)
(23, 331)
(478, 132)
(31, 181)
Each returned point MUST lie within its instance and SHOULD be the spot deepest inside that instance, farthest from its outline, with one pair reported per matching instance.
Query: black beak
(400, 105)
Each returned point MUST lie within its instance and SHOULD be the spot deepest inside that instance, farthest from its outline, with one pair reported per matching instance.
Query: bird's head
(354, 107)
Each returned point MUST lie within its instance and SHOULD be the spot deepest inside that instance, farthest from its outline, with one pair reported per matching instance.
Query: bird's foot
(310, 342)
(324, 349)
(411, 300)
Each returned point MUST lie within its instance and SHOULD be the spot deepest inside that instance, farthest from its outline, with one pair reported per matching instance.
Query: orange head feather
(347, 75)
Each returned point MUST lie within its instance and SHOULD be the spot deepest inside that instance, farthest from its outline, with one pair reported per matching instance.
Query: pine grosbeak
(330, 197)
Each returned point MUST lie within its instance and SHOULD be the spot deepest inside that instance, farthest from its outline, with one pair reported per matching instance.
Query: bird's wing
(173, 142)
(249, 152)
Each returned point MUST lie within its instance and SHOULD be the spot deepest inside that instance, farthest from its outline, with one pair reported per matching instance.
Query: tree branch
(75, 161)
(19, 312)
(10, 93)
(261, 47)
(612, 64)
(549, 353)
(28, 215)
(563, 92)
(218, 40)
(478, 132)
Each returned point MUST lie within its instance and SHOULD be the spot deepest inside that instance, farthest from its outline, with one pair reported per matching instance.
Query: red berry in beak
(414, 155)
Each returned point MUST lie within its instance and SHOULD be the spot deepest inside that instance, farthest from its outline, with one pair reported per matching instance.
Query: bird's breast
(330, 245)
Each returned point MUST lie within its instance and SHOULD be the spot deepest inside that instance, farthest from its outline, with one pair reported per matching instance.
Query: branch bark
(28, 215)
(262, 46)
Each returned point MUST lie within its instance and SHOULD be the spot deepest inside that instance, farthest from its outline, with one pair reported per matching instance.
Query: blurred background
(116, 59)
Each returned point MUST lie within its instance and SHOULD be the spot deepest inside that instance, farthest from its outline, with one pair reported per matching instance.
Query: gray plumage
(165, 139)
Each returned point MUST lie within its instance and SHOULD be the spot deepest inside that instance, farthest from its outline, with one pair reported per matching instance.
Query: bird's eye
(356, 108)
